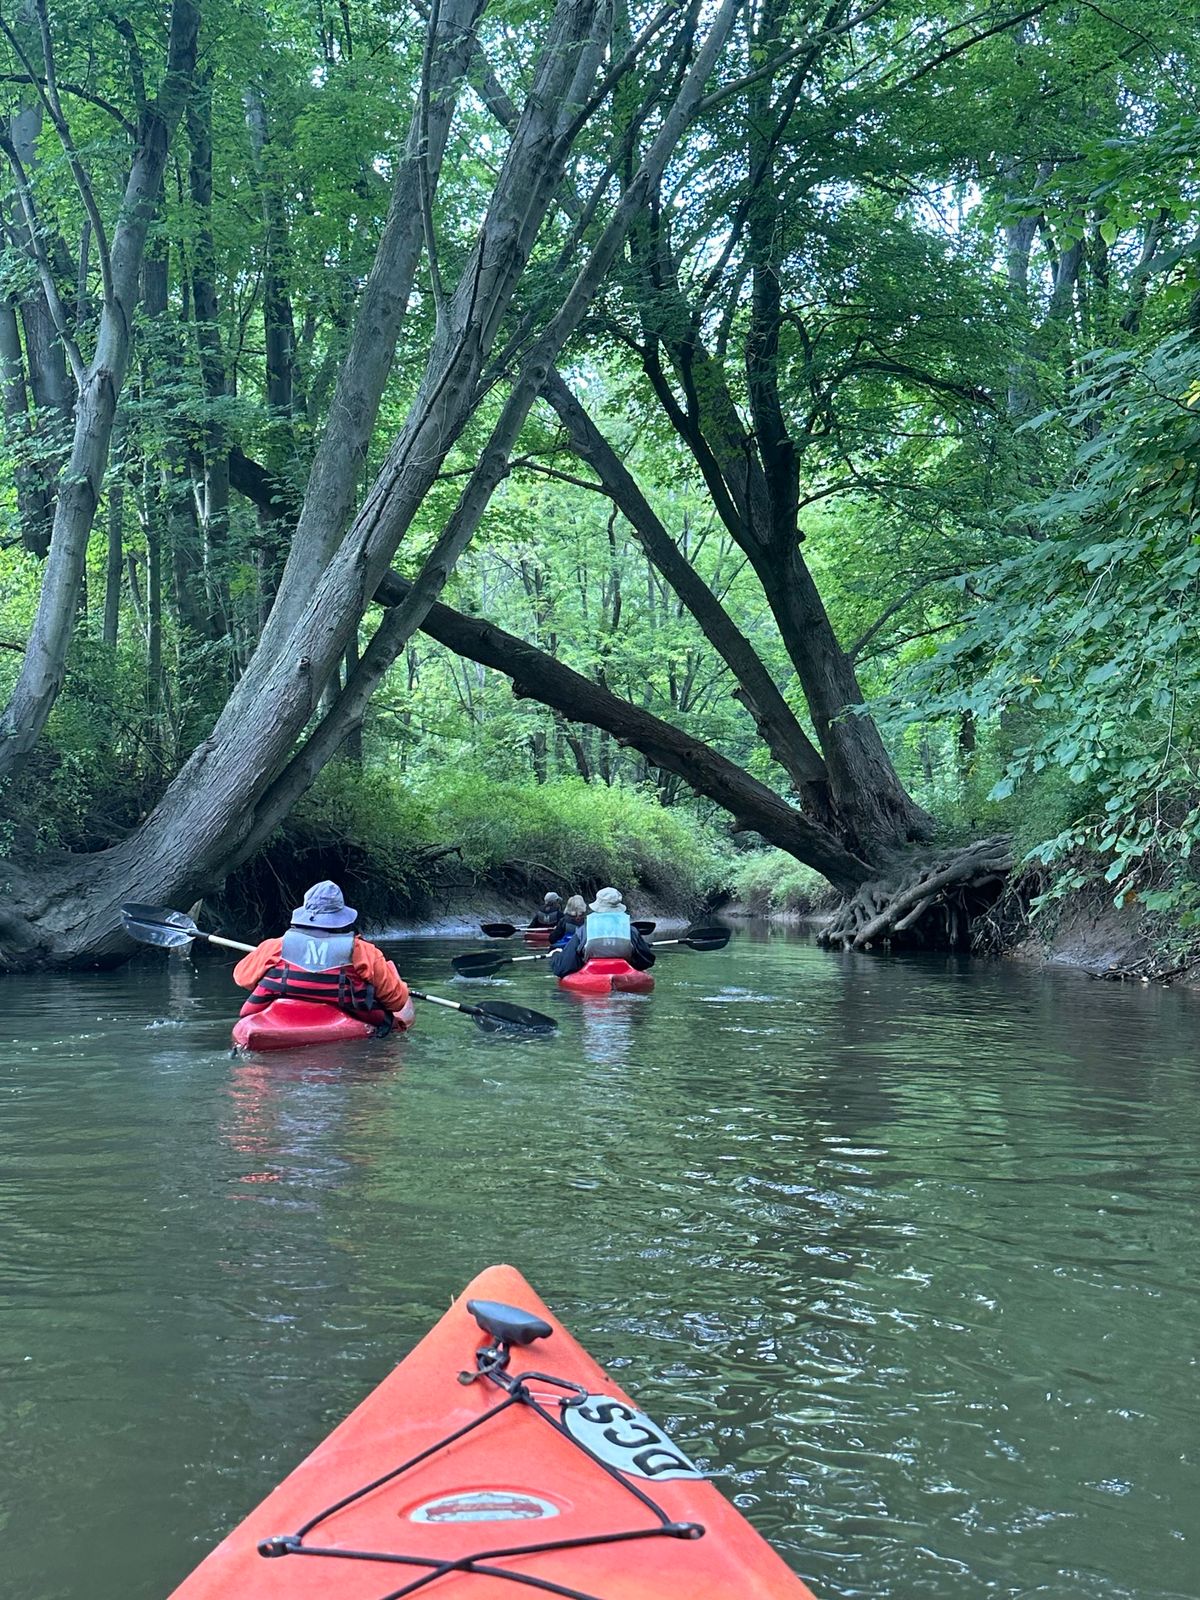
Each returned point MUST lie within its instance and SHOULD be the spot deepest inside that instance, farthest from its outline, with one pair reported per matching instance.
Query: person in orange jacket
(320, 958)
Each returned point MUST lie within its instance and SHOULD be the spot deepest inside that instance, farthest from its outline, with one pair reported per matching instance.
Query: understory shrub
(770, 880)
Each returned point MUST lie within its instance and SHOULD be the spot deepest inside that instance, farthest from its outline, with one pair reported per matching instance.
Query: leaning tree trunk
(776, 723)
(195, 830)
(538, 676)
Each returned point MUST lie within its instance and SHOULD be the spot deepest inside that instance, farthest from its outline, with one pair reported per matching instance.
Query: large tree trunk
(187, 842)
(751, 474)
(46, 653)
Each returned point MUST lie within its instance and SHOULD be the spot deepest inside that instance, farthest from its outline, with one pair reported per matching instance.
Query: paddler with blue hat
(321, 958)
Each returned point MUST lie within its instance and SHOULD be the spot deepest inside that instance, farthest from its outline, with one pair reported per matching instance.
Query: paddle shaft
(436, 1000)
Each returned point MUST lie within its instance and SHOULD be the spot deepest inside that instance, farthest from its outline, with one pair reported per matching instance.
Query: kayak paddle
(505, 930)
(700, 939)
(493, 1014)
(482, 964)
(172, 930)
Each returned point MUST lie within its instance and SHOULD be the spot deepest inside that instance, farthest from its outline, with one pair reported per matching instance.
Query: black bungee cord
(491, 1364)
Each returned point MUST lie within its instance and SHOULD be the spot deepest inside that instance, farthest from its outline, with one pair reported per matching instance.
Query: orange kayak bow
(496, 1459)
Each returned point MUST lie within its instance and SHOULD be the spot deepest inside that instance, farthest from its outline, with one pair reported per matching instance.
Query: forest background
(717, 448)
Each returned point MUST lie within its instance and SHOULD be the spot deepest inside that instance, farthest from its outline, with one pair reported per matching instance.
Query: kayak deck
(608, 975)
(287, 1024)
(537, 1472)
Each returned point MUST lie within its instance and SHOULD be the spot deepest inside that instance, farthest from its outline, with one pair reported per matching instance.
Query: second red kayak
(606, 975)
(287, 1024)
(496, 1458)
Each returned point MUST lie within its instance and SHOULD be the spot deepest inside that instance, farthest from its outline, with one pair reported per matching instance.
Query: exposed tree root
(931, 900)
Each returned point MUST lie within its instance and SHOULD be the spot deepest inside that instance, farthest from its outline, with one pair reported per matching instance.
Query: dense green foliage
(982, 231)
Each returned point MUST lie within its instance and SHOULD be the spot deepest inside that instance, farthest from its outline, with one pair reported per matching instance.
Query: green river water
(905, 1251)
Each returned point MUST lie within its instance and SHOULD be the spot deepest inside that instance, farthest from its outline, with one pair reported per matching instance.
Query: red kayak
(496, 1456)
(537, 936)
(606, 974)
(286, 1024)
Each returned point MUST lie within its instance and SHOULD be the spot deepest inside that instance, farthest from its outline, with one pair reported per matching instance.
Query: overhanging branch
(538, 676)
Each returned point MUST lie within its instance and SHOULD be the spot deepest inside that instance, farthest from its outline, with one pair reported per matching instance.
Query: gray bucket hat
(551, 899)
(608, 900)
(324, 907)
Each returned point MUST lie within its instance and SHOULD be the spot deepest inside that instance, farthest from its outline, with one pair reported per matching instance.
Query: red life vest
(316, 966)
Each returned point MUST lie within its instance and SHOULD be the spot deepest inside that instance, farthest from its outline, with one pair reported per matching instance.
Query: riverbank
(462, 913)
(1086, 931)
(437, 856)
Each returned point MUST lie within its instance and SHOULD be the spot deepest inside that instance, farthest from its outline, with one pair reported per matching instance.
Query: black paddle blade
(479, 964)
(500, 1014)
(158, 925)
(709, 939)
(645, 927)
(497, 930)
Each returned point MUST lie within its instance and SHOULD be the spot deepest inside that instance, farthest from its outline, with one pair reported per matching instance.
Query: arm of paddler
(568, 957)
(391, 991)
(251, 968)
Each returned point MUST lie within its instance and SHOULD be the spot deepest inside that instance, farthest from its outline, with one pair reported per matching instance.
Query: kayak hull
(607, 975)
(289, 1024)
(537, 936)
(516, 1480)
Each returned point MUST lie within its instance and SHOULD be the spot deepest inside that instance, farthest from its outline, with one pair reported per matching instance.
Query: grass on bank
(401, 849)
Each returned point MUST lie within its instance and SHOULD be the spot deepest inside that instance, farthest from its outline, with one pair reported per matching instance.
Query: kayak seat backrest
(508, 1324)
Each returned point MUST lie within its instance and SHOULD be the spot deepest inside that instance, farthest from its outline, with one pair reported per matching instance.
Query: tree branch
(538, 676)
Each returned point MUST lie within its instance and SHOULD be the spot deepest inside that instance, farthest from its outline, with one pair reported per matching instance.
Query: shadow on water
(904, 1250)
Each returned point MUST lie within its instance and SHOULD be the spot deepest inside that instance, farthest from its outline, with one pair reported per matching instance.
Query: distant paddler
(606, 934)
(549, 915)
(573, 918)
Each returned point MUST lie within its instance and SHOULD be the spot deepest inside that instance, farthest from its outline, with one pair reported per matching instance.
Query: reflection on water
(906, 1252)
